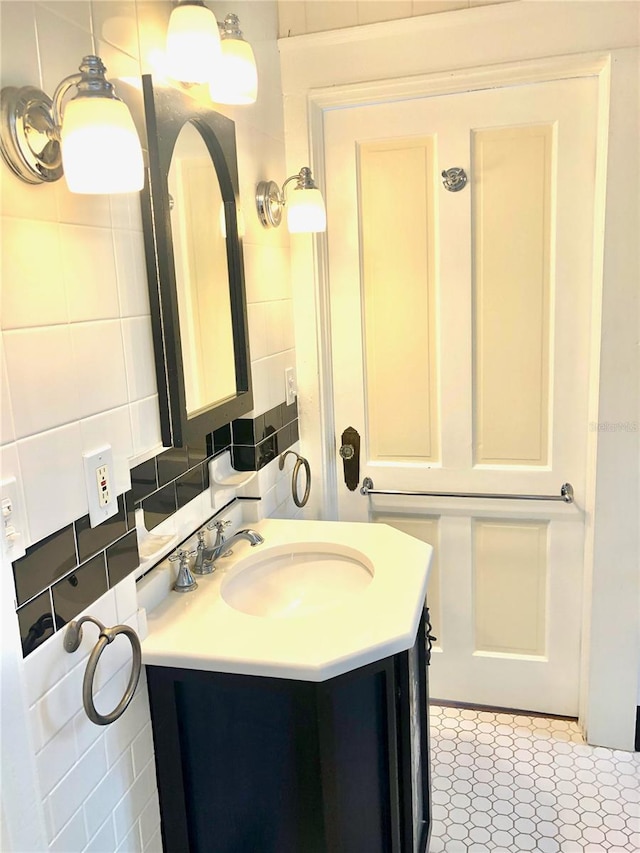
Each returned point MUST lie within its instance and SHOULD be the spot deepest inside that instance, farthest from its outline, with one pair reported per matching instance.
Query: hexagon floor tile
(506, 783)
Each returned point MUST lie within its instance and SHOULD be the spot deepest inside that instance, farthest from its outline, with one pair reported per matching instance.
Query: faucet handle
(201, 535)
(185, 581)
(220, 526)
(181, 554)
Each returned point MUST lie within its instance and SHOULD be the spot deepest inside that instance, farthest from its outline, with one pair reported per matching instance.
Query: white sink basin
(316, 600)
(297, 579)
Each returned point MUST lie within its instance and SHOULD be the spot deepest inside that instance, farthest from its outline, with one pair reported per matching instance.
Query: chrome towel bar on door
(72, 638)
(566, 494)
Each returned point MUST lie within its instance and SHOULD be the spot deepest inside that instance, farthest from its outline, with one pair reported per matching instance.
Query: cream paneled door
(460, 325)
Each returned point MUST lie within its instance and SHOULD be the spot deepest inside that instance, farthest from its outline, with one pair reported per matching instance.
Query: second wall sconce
(193, 43)
(305, 206)
(92, 140)
(201, 50)
(237, 79)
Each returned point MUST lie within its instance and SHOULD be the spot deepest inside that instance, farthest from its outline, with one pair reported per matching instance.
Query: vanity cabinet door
(413, 737)
(250, 764)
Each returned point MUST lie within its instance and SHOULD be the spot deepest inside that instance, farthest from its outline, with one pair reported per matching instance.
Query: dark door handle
(350, 453)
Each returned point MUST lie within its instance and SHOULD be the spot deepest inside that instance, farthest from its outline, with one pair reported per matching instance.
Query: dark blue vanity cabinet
(250, 764)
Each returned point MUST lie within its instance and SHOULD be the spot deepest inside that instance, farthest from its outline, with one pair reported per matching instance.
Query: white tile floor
(505, 783)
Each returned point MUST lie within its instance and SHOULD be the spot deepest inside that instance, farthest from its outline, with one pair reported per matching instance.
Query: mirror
(194, 264)
(202, 277)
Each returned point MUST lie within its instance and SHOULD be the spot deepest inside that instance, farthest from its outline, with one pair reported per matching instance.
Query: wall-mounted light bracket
(270, 201)
(29, 139)
(454, 179)
(32, 138)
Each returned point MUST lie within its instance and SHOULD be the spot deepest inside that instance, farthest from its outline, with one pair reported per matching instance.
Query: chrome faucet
(217, 550)
(185, 582)
(219, 527)
(200, 567)
(203, 564)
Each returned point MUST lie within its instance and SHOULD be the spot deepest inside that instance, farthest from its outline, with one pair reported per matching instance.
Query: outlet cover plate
(100, 508)
(290, 385)
(12, 523)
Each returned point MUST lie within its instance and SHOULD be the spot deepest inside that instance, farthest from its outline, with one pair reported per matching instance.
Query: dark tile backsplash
(258, 441)
(272, 421)
(245, 429)
(122, 558)
(36, 622)
(130, 508)
(197, 454)
(159, 506)
(189, 486)
(79, 589)
(93, 539)
(171, 464)
(220, 439)
(70, 568)
(144, 479)
(65, 573)
(44, 563)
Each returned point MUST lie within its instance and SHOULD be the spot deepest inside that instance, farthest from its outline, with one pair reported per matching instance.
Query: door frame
(607, 721)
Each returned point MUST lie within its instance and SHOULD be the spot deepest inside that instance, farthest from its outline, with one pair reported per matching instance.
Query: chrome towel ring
(72, 639)
(300, 461)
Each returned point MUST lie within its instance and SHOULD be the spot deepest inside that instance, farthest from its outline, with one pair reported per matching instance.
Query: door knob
(350, 454)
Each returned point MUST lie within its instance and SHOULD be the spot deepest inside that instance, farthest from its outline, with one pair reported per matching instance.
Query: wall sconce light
(201, 50)
(305, 206)
(236, 81)
(193, 43)
(93, 141)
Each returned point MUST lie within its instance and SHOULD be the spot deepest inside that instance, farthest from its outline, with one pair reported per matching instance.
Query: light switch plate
(290, 385)
(99, 475)
(12, 523)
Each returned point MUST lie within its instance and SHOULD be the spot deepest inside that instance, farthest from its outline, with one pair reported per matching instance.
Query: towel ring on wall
(300, 461)
(72, 639)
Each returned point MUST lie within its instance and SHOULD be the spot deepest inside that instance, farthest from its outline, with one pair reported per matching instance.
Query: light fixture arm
(31, 122)
(230, 27)
(56, 104)
(271, 199)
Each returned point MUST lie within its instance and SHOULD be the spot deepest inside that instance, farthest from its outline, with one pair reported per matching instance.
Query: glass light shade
(193, 44)
(236, 81)
(305, 211)
(101, 150)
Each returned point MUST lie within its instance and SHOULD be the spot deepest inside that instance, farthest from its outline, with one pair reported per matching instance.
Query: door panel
(512, 242)
(510, 586)
(399, 330)
(464, 321)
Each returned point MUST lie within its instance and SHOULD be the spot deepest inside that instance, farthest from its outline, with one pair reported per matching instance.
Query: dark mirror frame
(167, 110)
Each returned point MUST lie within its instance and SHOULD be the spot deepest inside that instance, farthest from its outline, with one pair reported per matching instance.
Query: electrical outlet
(290, 385)
(98, 472)
(104, 486)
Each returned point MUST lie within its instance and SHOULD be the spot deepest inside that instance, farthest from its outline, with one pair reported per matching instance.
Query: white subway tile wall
(78, 371)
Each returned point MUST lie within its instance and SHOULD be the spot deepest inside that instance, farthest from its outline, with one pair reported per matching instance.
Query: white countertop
(199, 630)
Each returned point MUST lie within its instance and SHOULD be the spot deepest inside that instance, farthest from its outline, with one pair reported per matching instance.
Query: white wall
(313, 16)
(72, 274)
(315, 65)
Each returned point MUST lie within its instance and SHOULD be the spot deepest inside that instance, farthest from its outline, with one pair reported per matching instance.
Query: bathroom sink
(315, 600)
(296, 580)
